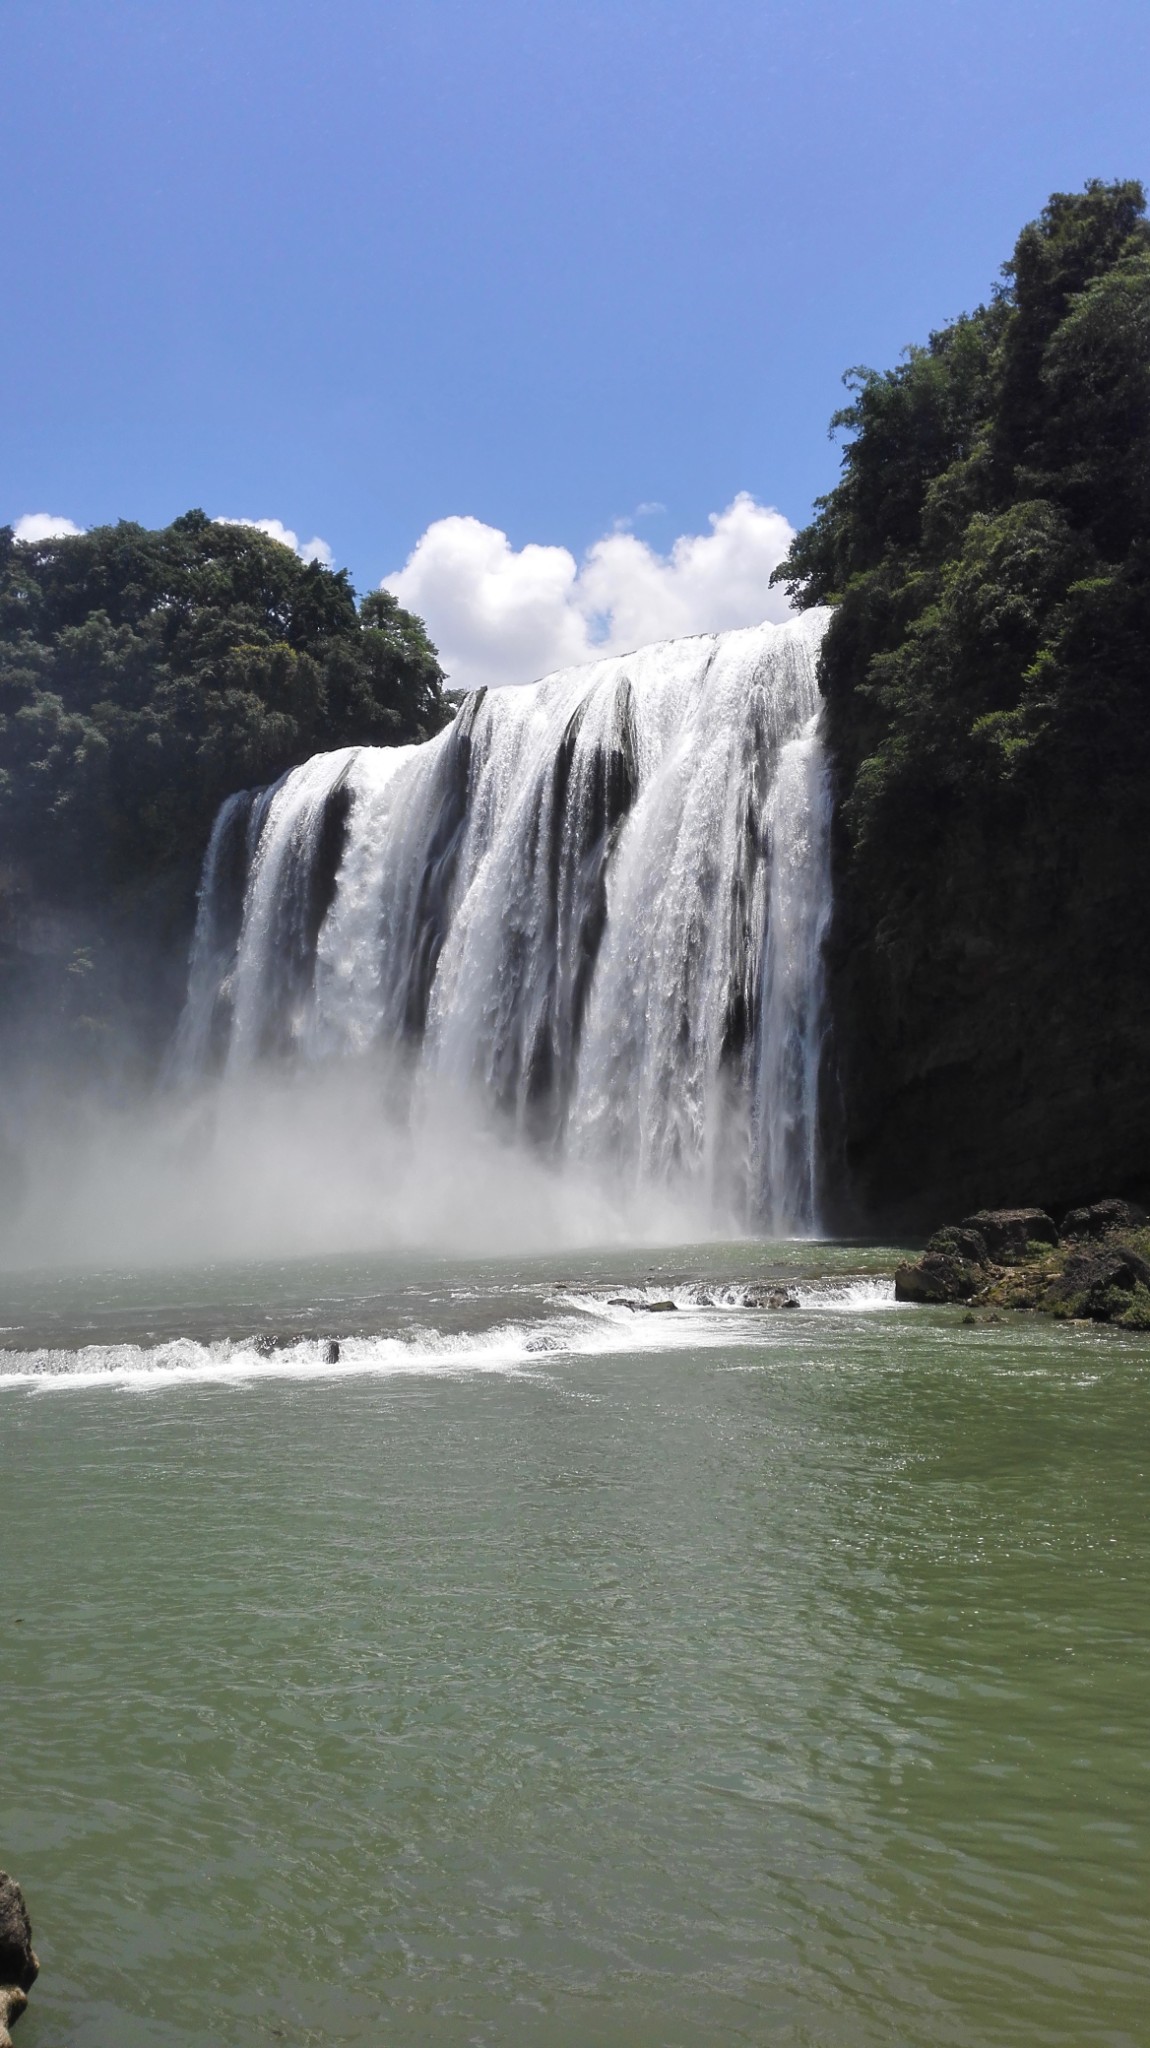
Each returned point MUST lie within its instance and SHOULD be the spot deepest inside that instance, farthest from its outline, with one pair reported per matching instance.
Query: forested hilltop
(144, 676)
(987, 682)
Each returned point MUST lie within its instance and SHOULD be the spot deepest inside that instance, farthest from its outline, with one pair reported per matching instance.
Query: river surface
(548, 1670)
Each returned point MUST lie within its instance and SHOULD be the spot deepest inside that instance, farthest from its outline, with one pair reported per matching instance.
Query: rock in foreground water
(940, 1275)
(1103, 1284)
(19, 1968)
(1013, 1258)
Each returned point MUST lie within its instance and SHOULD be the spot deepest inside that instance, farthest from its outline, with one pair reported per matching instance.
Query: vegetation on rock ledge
(1097, 1269)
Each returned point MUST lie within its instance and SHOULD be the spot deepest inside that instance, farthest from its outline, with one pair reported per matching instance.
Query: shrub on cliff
(146, 675)
(989, 546)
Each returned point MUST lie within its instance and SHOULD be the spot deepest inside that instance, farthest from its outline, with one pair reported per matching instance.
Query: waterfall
(596, 906)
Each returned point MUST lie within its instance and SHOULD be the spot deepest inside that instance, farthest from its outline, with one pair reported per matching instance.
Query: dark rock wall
(1007, 1061)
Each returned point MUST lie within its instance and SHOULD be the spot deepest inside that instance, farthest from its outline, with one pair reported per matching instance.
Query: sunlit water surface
(547, 1671)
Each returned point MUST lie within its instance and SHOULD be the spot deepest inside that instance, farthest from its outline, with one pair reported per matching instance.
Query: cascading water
(595, 905)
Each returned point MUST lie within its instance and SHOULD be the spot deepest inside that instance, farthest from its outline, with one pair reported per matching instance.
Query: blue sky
(366, 267)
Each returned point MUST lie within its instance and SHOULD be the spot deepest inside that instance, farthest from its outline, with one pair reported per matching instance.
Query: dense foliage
(987, 673)
(145, 675)
(989, 545)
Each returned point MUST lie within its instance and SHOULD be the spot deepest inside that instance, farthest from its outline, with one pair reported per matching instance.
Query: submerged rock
(1007, 1233)
(19, 1968)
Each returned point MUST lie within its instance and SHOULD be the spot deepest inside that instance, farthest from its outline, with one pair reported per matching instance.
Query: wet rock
(1007, 1233)
(331, 1351)
(1097, 1219)
(960, 1243)
(19, 1968)
(937, 1277)
(763, 1297)
(658, 1308)
(1106, 1285)
(263, 1345)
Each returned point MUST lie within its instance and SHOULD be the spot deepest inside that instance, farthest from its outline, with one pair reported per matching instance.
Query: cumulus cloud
(500, 614)
(44, 526)
(314, 550)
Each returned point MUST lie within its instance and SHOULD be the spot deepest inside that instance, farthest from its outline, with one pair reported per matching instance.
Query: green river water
(551, 1672)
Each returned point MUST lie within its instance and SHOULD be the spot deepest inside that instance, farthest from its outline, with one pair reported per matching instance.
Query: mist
(299, 1162)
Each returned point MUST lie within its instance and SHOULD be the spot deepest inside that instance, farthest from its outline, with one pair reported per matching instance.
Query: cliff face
(987, 685)
(1007, 1059)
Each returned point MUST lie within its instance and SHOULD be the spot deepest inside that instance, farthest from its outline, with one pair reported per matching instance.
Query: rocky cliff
(987, 683)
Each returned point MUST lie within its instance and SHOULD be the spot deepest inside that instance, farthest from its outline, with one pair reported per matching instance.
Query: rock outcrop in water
(1097, 1269)
(19, 1967)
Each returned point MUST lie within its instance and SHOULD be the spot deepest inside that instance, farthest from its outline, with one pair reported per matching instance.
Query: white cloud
(314, 550)
(44, 526)
(500, 614)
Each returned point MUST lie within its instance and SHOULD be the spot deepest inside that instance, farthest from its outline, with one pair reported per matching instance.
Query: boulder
(960, 1243)
(938, 1276)
(1006, 1233)
(1099, 1284)
(1097, 1219)
(768, 1297)
(19, 1968)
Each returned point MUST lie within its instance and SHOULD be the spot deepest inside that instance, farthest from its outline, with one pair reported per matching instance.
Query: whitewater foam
(596, 906)
(576, 1322)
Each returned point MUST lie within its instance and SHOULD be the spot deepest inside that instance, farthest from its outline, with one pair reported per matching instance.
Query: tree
(145, 675)
(987, 686)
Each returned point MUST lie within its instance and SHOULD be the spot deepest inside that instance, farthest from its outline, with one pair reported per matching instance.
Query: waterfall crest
(596, 905)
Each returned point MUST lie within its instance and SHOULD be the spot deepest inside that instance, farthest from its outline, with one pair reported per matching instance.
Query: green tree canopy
(988, 549)
(145, 675)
